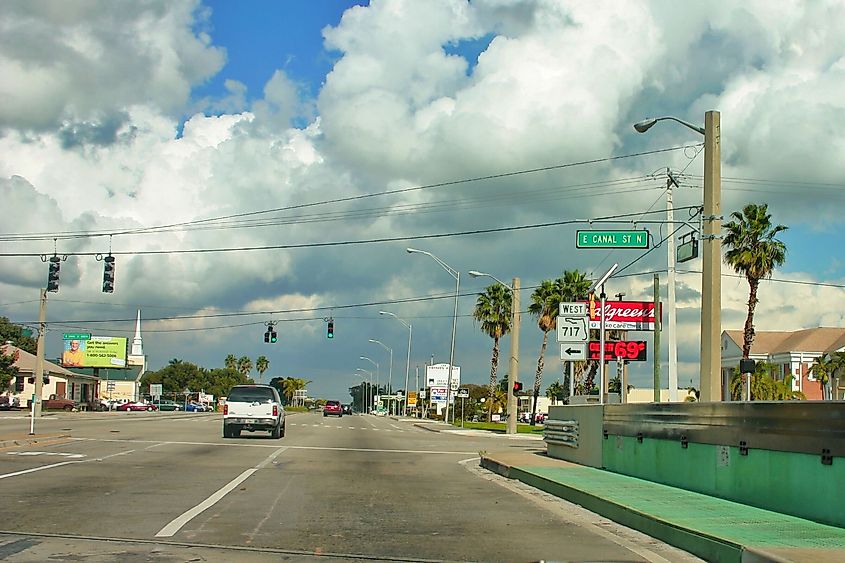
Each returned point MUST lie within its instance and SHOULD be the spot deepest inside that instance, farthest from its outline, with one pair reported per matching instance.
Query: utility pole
(657, 327)
(513, 369)
(39, 359)
(671, 332)
(711, 276)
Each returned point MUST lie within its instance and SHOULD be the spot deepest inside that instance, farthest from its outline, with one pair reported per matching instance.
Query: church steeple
(137, 343)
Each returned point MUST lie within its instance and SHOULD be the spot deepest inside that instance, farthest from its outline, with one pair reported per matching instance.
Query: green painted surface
(792, 483)
(706, 522)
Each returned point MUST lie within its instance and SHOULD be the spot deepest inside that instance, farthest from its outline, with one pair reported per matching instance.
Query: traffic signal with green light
(330, 329)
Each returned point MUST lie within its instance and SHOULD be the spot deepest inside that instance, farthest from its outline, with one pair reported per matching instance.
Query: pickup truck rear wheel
(67, 408)
(282, 433)
(276, 432)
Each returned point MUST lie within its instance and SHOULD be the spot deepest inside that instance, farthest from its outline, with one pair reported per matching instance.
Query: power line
(76, 234)
(611, 218)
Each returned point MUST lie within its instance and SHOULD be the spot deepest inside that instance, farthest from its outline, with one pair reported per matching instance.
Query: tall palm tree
(545, 304)
(244, 365)
(493, 310)
(231, 362)
(754, 252)
(262, 364)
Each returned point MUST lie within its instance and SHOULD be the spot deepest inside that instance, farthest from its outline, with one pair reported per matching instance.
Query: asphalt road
(168, 487)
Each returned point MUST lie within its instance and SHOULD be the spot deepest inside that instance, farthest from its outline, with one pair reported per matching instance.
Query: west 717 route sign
(572, 331)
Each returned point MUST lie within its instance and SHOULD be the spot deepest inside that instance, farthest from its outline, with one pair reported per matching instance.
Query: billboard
(86, 351)
(622, 315)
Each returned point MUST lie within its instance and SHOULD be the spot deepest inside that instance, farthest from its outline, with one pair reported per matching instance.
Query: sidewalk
(438, 426)
(711, 528)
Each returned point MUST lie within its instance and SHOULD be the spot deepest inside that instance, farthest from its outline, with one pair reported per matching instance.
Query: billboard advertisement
(412, 399)
(622, 315)
(86, 351)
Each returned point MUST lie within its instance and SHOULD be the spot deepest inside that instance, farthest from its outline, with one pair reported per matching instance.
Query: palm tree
(545, 304)
(262, 364)
(822, 369)
(291, 385)
(244, 365)
(555, 392)
(754, 252)
(231, 362)
(493, 310)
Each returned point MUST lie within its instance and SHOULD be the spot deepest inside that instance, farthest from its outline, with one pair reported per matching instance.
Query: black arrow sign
(570, 351)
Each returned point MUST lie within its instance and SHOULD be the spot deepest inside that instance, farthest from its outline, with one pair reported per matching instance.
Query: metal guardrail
(561, 432)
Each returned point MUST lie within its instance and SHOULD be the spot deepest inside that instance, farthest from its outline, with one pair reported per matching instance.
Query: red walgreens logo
(622, 315)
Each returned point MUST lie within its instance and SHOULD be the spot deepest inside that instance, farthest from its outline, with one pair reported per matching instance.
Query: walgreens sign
(622, 315)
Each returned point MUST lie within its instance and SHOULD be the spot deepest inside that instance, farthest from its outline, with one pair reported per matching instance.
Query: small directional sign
(573, 351)
(463, 393)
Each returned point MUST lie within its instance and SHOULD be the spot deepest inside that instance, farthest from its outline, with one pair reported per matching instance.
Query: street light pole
(457, 275)
(368, 394)
(378, 392)
(390, 372)
(711, 267)
(513, 367)
(407, 362)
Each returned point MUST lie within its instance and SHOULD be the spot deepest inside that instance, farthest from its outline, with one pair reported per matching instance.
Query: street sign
(612, 239)
(110, 386)
(463, 393)
(687, 251)
(631, 350)
(76, 336)
(572, 323)
(155, 389)
(573, 351)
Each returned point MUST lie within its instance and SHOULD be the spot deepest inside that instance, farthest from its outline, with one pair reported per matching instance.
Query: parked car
(332, 408)
(168, 406)
(132, 406)
(193, 406)
(253, 407)
(347, 409)
(58, 403)
(8, 403)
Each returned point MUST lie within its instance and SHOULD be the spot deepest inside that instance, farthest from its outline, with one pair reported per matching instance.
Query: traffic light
(53, 274)
(270, 334)
(108, 274)
(517, 387)
(330, 329)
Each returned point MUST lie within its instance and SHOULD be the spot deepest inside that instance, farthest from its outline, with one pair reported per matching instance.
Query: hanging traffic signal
(53, 274)
(330, 329)
(108, 274)
(270, 334)
(517, 387)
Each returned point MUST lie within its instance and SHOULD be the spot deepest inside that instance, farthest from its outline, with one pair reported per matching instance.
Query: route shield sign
(572, 323)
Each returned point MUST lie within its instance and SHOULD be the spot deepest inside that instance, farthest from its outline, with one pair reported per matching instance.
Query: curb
(427, 427)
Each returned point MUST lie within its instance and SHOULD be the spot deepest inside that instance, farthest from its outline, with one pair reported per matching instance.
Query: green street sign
(76, 336)
(612, 239)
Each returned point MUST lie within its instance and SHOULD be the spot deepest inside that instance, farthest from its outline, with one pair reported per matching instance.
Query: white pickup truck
(253, 407)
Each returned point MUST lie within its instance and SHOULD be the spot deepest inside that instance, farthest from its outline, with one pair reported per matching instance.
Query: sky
(244, 162)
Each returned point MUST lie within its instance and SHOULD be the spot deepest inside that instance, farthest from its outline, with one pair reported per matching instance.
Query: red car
(333, 408)
(135, 407)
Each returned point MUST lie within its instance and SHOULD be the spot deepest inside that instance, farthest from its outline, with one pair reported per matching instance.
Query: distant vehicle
(58, 403)
(168, 406)
(8, 403)
(253, 407)
(132, 406)
(195, 407)
(347, 409)
(333, 408)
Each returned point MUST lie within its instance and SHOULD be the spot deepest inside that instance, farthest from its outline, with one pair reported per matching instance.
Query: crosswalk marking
(59, 454)
(342, 427)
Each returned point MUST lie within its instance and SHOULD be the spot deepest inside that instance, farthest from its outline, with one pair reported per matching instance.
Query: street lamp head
(476, 273)
(644, 125)
(412, 250)
(373, 341)
(385, 313)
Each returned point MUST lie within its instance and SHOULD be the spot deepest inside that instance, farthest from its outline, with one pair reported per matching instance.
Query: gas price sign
(631, 350)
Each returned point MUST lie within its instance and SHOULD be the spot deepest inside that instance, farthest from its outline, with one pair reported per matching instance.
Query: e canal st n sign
(612, 239)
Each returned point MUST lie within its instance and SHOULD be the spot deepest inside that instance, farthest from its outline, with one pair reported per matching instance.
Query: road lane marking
(396, 427)
(176, 524)
(59, 454)
(61, 463)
